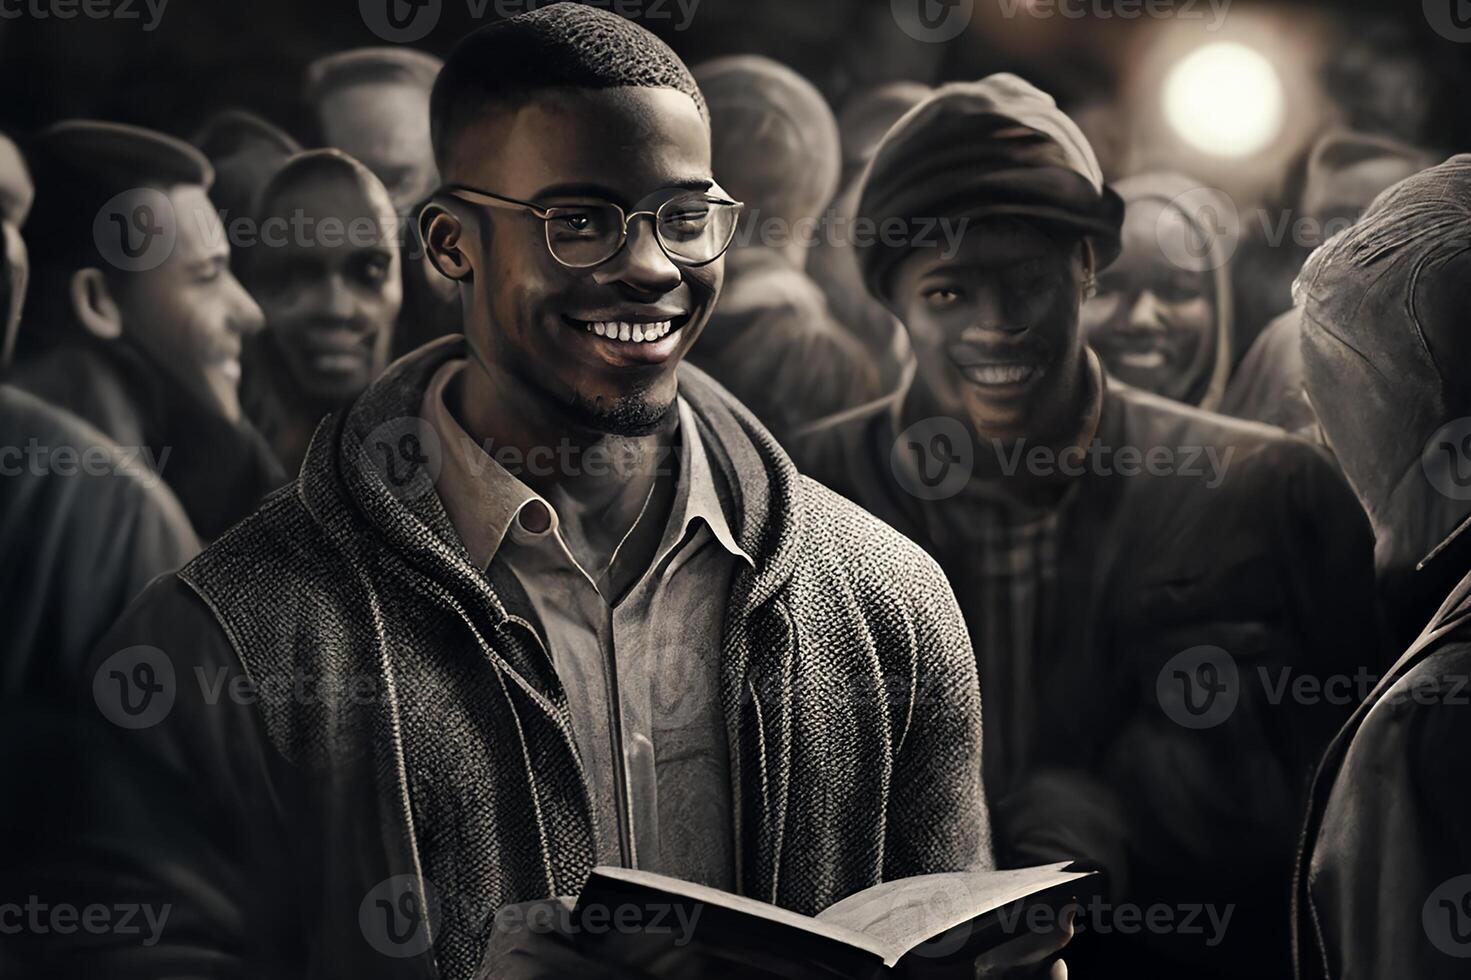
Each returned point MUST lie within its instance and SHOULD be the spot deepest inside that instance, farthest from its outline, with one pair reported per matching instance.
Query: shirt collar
(483, 499)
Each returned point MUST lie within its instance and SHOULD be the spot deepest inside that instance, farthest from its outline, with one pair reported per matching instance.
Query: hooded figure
(1161, 318)
(1346, 171)
(1111, 575)
(1382, 880)
(773, 341)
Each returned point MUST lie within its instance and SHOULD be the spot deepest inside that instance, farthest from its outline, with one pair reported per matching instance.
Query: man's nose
(334, 298)
(641, 263)
(244, 316)
(1144, 314)
(991, 314)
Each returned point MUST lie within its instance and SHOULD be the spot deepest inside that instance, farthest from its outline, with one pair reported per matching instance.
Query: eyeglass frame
(466, 193)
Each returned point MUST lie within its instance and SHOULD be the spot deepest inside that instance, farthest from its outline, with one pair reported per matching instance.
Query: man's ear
(93, 304)
(443, 234)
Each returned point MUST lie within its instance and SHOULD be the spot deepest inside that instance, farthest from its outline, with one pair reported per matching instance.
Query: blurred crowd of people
(1055, 398)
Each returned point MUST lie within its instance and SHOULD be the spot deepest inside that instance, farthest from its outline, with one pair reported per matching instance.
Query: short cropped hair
(79, 165)
(562, 45)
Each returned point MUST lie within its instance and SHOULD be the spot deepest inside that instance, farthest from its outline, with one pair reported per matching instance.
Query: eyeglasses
(692, 227)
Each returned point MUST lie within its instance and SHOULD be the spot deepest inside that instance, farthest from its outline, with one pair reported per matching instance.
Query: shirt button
(535, 518)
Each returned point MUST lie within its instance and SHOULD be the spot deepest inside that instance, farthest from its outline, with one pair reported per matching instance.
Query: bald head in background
(774, 141)
(773, 340)
(373, 104)
(330, 294)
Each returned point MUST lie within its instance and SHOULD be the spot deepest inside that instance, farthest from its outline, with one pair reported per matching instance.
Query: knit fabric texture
(847, 680)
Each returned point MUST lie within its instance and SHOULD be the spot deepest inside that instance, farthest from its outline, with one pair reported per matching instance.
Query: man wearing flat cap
(135, 321)
(1129, 568)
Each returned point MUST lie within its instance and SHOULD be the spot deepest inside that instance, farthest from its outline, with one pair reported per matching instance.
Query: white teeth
(637, 333)
(1000, 374)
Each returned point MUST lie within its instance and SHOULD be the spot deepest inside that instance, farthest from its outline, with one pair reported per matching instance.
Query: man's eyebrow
(605, 193)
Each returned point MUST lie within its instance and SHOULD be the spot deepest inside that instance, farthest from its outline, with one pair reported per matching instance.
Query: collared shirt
(1003, 558)
(641, 673)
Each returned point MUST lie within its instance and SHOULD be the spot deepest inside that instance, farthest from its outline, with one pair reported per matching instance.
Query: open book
(663, 927)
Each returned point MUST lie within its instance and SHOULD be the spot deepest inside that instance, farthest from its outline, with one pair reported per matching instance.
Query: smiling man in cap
(1103, 542)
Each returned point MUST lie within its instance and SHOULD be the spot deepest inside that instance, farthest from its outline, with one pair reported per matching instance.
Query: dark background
(206, 54)
(1377, 67)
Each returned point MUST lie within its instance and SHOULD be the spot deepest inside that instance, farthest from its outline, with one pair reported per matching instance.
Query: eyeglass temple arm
(494, 200)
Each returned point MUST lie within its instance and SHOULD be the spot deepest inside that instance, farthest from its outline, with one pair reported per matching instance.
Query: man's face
(330, 296)
(189, 313)
(995, 326)
(1153, 323)
(530, 316)
(385, 126)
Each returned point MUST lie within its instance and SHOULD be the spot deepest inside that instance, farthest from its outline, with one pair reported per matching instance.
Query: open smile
(626, 339)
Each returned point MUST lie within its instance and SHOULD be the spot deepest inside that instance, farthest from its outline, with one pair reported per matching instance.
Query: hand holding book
(635, 925)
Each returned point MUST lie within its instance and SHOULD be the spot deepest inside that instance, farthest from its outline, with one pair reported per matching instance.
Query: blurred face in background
(1153, 322)
(385, 126)
(994, 327)
(190, 314)
(330, 294)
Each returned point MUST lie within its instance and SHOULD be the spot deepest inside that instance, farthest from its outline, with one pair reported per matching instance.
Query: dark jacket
(1385, 872)
(83, 529)
(218, 469)
(427, 745)
(1272, 564)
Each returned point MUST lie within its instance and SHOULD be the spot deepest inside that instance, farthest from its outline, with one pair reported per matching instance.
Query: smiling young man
(135, 321)
(1094, 534)
(325, 270)
(542, 597)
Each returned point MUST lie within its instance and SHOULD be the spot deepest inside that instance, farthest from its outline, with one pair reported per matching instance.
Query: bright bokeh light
(1224, 99)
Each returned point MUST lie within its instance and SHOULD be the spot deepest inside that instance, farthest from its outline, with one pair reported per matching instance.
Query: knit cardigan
(846, 678)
